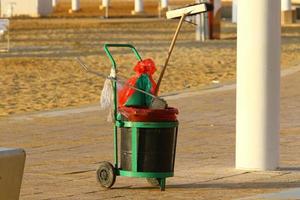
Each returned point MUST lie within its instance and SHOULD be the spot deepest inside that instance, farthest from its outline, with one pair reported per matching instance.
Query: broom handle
(169, 53)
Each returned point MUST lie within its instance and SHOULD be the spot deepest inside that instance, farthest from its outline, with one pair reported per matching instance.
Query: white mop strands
(107, 96)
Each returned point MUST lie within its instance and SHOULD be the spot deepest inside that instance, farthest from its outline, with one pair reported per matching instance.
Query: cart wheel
(106, 174)
(153, 181)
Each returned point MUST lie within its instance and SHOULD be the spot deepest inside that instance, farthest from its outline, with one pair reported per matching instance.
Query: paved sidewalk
(64, 148)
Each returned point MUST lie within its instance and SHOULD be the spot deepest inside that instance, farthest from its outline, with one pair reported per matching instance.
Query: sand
(40, 72)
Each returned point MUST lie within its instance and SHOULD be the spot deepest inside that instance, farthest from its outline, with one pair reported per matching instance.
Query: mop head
(107, 98)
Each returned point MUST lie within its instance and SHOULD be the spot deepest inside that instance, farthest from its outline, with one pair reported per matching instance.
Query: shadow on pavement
(241, 185)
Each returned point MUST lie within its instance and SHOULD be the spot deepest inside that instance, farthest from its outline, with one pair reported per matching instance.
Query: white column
(234, 11)
(105, 3)
(164, 4)
(286, 5)
(200, 20)
(258, 84)
(138, 6)
(199, 28)
(54, 3)
(75, 5)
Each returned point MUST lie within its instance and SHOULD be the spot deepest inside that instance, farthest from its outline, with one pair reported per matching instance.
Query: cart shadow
(289, 169)
(231, 186)
(227, 185)
(246, 185)
(239, 185)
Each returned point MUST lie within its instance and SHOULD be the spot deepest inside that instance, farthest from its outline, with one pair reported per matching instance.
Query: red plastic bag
(144, 67)
(149, 115)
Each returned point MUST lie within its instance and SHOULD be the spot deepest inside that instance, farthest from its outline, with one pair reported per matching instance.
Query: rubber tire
(106, 175)
(153, 181)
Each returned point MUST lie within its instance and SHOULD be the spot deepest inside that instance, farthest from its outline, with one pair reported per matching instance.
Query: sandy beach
(40, 73)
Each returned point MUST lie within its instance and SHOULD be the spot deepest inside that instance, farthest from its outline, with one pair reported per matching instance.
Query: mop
(106, 94)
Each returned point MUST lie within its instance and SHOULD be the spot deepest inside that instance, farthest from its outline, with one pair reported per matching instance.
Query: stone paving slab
(64, 148)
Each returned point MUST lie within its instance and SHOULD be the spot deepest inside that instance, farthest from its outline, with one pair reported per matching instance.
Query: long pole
(113, 79)
(8, 40)
(258, 84)
(169, 53)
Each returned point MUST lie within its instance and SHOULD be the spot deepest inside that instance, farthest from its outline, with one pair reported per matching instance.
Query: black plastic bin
(156, 146)
(156, 149)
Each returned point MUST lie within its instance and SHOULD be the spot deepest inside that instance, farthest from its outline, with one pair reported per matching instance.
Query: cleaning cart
(148, 140)
(148, 136)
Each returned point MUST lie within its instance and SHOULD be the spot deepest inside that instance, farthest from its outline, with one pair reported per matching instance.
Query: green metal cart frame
(106, 173)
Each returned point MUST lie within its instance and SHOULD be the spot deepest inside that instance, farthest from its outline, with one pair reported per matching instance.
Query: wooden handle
(169, 53)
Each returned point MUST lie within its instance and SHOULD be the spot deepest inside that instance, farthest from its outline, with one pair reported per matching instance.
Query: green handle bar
(114, 65)
(112, 60)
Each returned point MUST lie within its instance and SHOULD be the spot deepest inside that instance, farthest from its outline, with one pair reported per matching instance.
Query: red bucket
(149, 115)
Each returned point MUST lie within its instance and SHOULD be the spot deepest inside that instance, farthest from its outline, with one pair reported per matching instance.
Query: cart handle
(112, 60)
(114, 66)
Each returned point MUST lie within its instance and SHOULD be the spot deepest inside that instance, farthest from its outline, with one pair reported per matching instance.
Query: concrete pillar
(201, 33)
(164, 4)
(199, 28)
(138, 7)
(75, 6)
(234, 11)
(105, 4)
(288, 16)
(162, 7)
(54, 3)
(258, 84)
(286, 5)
